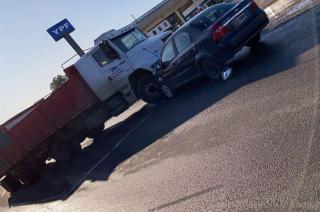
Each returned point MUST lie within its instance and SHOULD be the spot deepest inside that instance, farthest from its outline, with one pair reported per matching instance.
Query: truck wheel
(65, 151)
(148, 90)
(96, 132)
(10, 183)
(254, 41)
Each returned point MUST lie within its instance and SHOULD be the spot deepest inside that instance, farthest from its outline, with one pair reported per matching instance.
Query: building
(170, 15)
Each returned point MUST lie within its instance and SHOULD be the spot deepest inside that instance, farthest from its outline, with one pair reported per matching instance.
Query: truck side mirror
(108, 51)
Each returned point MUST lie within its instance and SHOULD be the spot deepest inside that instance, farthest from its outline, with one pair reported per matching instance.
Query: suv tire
(254, 41)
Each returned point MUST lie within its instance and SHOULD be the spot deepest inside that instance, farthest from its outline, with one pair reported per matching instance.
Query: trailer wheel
(27, 174)
(10, 183)
(95, 132)
(65, 151)
(39, 164)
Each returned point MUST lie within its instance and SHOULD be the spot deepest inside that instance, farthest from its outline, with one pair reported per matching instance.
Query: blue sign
(61, 29)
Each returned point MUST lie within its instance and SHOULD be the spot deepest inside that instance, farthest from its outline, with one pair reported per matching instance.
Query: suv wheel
(254, 41)
(210, 69)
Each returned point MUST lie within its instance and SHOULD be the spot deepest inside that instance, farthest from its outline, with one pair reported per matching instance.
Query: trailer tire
(96, 132)
(27, 174)
(38, 164)
(65, 151)
(10, 183)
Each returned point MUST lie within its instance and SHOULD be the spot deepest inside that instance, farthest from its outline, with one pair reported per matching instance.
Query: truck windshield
(129, 40)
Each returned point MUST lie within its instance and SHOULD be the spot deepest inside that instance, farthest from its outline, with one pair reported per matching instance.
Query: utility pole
(134, 18)
(197, 4)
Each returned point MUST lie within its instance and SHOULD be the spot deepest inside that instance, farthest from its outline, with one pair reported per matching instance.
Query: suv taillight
(219, 31)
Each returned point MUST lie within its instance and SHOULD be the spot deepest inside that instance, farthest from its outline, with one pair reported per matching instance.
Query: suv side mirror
(108, 51)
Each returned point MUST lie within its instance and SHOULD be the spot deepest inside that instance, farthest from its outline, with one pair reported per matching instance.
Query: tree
(58, 81)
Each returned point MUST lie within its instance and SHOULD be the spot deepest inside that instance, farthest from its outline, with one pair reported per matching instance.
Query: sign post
(63, 30)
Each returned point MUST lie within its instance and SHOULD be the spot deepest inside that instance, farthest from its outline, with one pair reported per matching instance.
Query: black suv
(205, 44)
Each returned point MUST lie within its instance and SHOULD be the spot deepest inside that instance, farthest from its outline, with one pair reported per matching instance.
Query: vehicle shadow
(117, 149)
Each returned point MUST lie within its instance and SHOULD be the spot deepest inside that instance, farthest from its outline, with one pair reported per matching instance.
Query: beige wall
(265, 3)
(162, 13)
(166, 10)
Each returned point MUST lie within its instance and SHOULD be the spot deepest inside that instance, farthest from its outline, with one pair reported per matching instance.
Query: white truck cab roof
(113, 33)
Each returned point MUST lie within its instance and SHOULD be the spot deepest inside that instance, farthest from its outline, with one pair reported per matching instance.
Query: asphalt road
(248, 144)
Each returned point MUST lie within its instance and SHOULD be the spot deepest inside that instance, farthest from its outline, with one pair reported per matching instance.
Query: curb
(278, 7)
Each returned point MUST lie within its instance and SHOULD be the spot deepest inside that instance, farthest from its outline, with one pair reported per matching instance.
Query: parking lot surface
(251, 143)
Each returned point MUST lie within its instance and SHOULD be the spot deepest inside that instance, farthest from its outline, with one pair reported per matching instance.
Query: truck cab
(123, 62)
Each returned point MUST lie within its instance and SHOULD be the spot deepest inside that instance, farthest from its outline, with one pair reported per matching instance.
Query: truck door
(116, 69)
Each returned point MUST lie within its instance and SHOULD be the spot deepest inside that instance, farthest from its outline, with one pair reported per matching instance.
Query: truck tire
(96, 132)
(65, 151)
(10, 183)
(148, 89)
(28, 174)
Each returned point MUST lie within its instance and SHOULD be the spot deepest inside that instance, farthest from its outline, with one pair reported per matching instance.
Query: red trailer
(52, 127)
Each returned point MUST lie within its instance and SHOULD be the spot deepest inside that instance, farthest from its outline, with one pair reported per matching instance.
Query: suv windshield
(129, 40)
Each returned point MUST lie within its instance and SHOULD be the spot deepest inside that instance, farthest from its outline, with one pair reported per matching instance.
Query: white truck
(123, 61)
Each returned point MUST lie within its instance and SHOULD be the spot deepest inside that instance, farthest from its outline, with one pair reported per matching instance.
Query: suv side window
(182, 41)
(168, 53)
(104, 58)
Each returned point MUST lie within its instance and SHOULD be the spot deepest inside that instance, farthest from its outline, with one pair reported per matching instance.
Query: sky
(30, 58)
